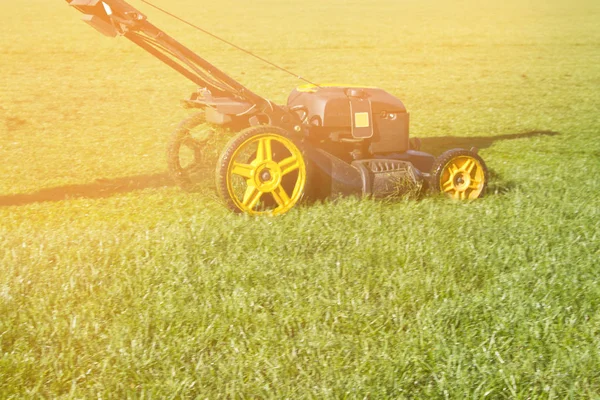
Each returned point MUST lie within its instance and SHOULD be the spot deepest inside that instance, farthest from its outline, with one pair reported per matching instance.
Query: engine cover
(367, 113)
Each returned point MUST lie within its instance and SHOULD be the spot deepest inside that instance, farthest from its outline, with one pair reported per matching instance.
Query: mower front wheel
(459, 174)
(262, 171)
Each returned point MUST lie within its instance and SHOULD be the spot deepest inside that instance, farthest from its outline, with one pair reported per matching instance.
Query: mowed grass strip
(115, 284)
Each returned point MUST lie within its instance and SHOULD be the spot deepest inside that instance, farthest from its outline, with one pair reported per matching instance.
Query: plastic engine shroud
(363, 112)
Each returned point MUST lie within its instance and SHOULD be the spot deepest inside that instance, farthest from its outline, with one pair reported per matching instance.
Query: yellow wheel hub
(261, 181)
(463, 178)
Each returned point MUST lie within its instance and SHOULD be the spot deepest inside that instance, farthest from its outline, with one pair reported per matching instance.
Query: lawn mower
(328, 140)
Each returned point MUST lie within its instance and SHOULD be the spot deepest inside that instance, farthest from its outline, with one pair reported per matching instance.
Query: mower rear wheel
(262, 171)
(184, 150)
(460, 174)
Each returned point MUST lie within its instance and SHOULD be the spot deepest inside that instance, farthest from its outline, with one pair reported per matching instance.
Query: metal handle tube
(135, 38)
(161, 36)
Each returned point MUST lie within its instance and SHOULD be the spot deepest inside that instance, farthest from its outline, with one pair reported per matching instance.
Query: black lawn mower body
(334, 139)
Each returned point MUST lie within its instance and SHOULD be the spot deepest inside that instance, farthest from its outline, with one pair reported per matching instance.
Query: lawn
(115, 283)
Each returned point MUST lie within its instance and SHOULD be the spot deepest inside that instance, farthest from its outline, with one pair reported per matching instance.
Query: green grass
(114, 283)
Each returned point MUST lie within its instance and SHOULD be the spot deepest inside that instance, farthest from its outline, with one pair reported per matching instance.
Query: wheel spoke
(243, 170)
(474, 184)
(468, 166)
(447, 185)
(251, 197)
(453, 169)
(192, 143)
(193, 167)
(462, 195)
(280, 196)
(289, 164)
(264, 152)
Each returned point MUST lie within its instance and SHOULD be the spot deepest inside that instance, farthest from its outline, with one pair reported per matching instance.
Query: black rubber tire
(180, 176)
(442, 161)
(239, 139)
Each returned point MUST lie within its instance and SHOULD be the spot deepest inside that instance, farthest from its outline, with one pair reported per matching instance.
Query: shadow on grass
(102, 188)
(437, 145)
(497, 184)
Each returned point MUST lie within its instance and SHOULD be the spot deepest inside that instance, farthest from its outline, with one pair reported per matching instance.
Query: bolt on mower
(328, 140)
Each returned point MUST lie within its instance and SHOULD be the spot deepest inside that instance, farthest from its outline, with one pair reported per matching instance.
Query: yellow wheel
(460, 174)
(262, 172)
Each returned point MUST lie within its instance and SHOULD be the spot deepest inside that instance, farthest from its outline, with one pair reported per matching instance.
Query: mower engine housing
(343, 113)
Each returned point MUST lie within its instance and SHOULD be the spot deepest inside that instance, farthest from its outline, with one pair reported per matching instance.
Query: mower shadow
(498, 185)
(437, 145)
(103, 188)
